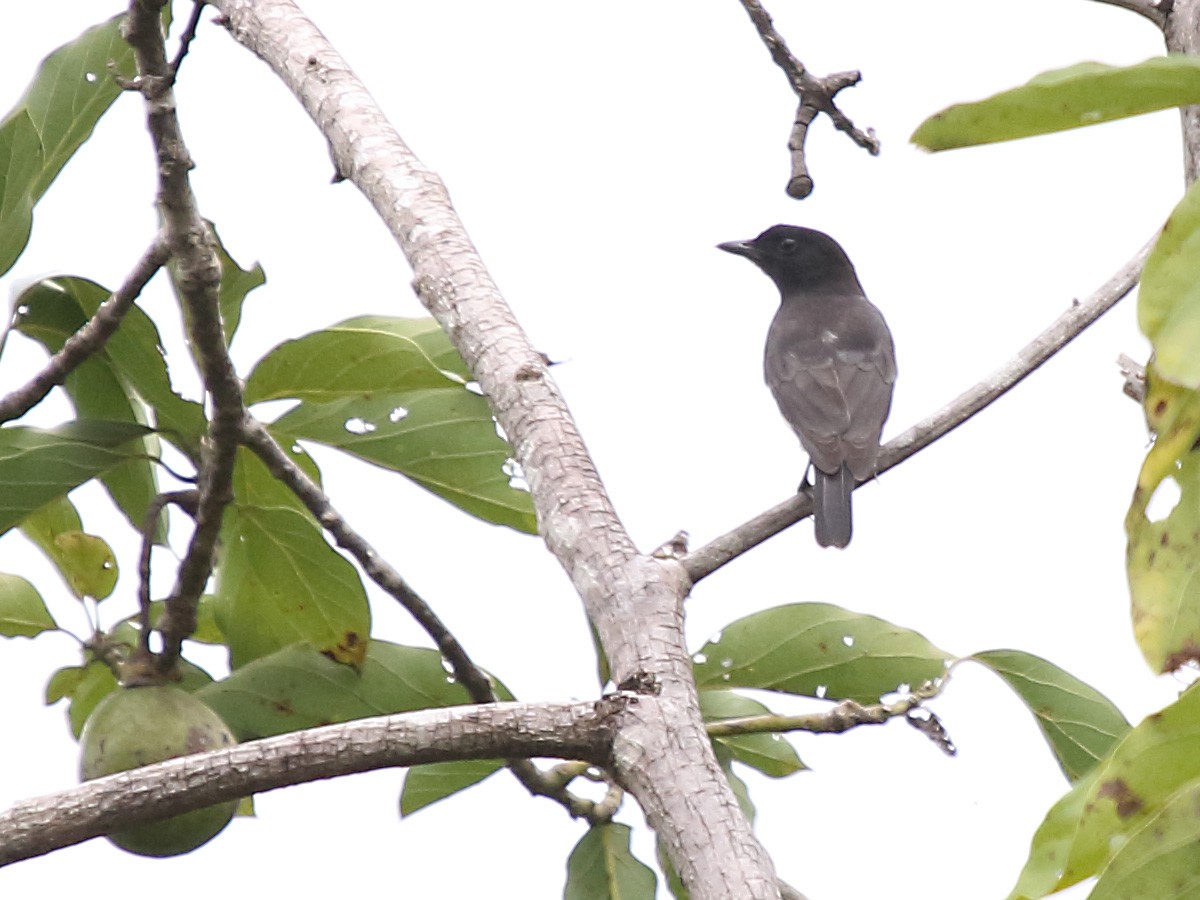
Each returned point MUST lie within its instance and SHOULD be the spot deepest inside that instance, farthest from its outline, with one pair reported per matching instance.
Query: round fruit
(137, 726)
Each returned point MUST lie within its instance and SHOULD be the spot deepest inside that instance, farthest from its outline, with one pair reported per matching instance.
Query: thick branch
(37, 826)
(635, 603)
(197, 271)
(816, 96)
(88, 340)
(1061, 332)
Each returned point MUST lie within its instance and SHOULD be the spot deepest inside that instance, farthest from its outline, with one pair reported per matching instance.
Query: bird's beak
(741, 248)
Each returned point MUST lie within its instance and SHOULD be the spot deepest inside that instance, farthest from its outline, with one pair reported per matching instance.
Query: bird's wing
(835, 391)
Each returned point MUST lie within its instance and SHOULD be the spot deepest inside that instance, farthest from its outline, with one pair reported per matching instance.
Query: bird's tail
(831, 507)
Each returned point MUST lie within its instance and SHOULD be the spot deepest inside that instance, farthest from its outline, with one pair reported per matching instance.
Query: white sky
(596, 154)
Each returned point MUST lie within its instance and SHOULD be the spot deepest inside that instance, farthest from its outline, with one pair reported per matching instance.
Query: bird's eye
(787, 245)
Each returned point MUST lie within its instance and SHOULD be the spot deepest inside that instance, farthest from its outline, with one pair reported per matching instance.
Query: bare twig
(197, 270)
(256, 437)
(476, 681)
(89, 339)
(187, 500)
(1061, 332)
(816, 96)
(843, 717)
(37, 826)
(185, 39)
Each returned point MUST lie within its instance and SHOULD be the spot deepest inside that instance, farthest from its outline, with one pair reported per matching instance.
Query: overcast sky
(597, 153)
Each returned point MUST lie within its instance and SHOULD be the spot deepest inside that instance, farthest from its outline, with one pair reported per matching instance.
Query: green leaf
(73, 88)
(88, 563)
(818, 650)
(365, 355)
(297, 687)
(59, 516)
(1169, 295)
(602, 867)
(63, 683)
(41, 465)
(427, 784)
(741, 791)
(52, 310)
(207, 630)
(1084, 94)
(236, 283)
(670, 876)
(20, 164)
(71, 91)
(1116, 799)
(770, 754)
(94, 685)
(443, 439)
(1079, 723)
(23, 612)
(280, 581)
(1160, 858)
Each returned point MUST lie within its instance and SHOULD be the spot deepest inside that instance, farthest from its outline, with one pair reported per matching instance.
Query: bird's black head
(797, 257)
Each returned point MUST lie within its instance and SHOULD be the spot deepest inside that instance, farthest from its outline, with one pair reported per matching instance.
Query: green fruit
(137, 726)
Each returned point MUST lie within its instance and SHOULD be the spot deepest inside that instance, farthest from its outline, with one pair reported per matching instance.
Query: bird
(830, 362)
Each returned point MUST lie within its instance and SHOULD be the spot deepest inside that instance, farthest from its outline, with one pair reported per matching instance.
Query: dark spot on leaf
(1127, 802)
(1160, 408)
(283, 707)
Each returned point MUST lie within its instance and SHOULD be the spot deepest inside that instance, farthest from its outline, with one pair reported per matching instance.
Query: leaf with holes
(73, 88)
(444, 439)
(1079, 723)
(818, 650)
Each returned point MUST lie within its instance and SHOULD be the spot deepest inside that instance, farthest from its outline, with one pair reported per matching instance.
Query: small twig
(816, 96)
(1062, 331)
(185, 39)
(1134, 374)
(846, 715)
(89, 339)
(476, 681)
(186, 500)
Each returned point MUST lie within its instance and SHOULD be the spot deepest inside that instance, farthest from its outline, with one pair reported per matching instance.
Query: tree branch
(476, 681)
(703, 562)
(37, 826)
(89, 339)
(1154, 10)
(197, 271)
(661, 753)
(816, 96)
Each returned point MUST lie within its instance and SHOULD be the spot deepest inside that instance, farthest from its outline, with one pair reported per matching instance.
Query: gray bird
(829, 362)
